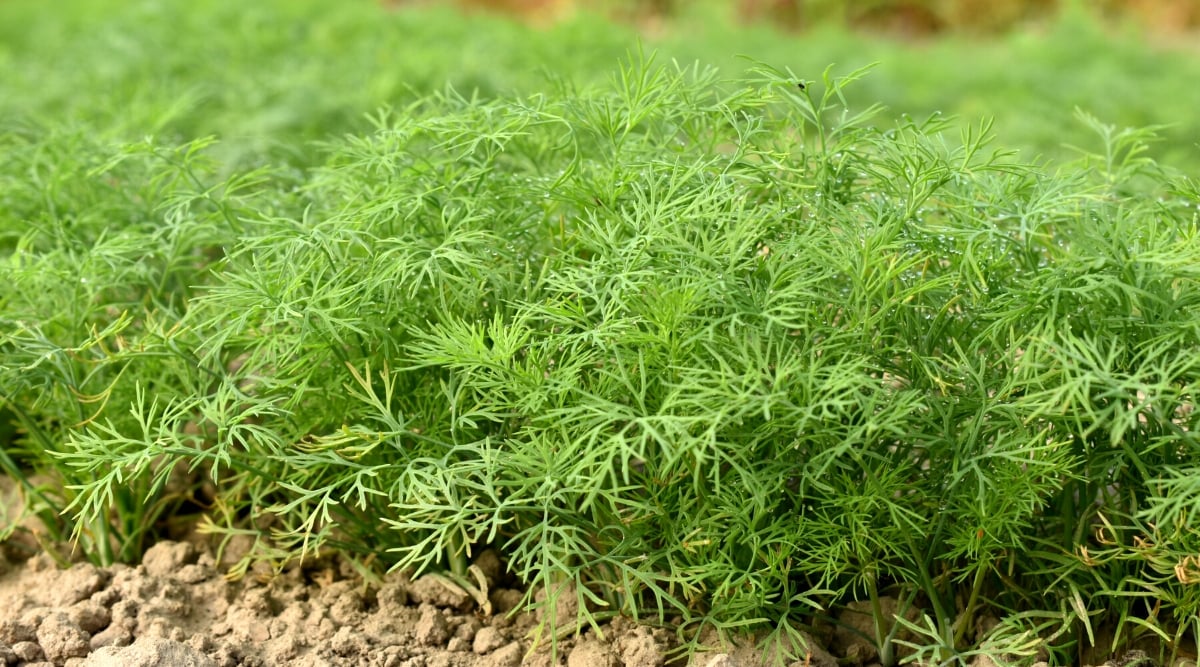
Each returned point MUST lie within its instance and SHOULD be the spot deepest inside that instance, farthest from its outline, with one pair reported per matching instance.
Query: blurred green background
(269, 77)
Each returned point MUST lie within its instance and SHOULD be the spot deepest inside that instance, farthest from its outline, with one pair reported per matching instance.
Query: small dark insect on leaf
(800, 85)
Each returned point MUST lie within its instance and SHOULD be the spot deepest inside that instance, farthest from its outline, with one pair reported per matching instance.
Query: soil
(176, 608)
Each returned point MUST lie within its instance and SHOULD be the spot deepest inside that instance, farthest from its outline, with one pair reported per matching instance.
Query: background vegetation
(736, 343)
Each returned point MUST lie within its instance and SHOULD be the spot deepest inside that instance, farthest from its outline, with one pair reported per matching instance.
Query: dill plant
(91, 313)
(735, 352)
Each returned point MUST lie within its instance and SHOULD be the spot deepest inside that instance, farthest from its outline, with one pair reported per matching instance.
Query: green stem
(969, 612)
(926, 581)
(457, 555)
(883, 643)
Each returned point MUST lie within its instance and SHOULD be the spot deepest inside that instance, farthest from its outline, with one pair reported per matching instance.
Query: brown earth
(175, 608)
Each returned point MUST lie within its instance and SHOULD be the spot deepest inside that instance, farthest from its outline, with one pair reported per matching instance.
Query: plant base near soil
(176, 609)
(189, 603)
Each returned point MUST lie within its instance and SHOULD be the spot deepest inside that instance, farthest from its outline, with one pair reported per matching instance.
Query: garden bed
(743, 353)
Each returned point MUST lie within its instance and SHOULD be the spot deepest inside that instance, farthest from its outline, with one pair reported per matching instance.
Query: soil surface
(176, 608)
